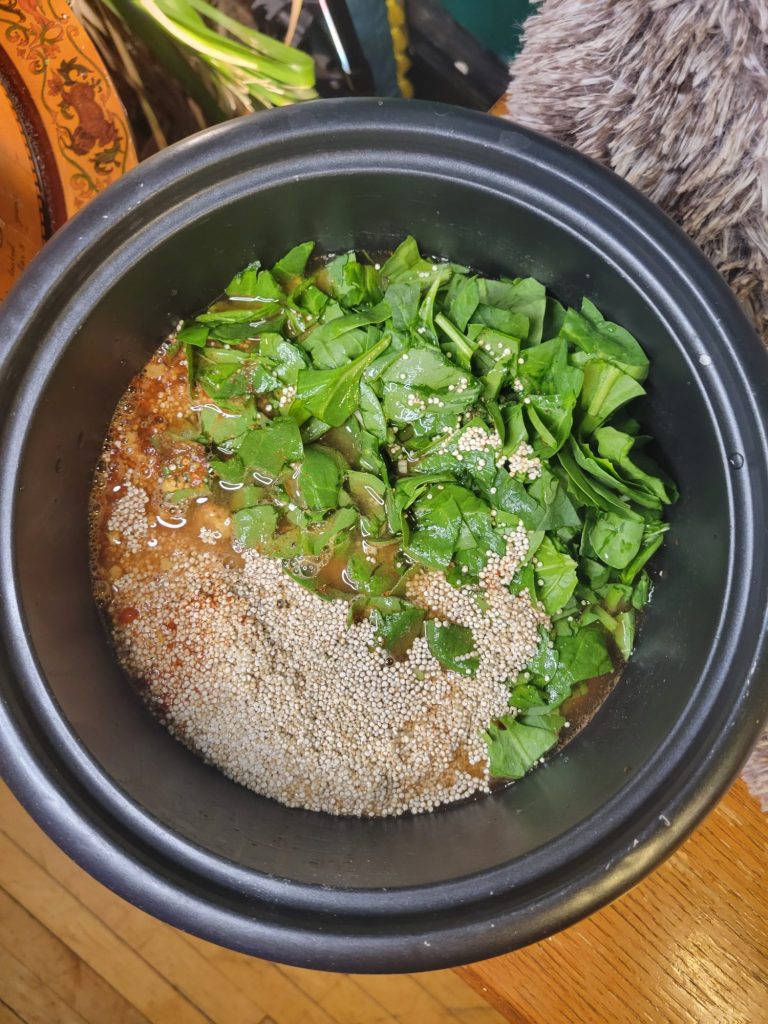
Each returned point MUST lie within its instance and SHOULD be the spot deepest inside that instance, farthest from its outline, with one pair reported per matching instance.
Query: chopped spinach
(334, 400)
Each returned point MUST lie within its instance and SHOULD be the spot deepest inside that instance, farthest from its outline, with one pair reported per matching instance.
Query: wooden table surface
(688, 945)
(71, 952)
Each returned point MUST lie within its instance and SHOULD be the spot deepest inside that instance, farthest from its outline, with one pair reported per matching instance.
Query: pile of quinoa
(268, 681)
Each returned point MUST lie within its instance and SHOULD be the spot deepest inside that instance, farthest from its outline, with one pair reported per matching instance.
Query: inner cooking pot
(467, 881)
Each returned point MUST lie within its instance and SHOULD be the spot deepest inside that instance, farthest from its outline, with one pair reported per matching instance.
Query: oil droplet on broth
(172, 522)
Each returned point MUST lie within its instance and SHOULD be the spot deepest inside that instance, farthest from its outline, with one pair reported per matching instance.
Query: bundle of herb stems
(250, 69)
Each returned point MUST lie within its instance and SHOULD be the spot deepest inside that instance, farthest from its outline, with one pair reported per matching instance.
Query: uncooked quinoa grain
(128, 524)
(268, 682)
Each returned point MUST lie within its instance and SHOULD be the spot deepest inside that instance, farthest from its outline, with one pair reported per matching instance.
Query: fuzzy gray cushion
(673, 96)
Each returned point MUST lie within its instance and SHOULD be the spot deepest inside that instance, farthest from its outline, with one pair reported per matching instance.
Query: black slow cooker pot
(175, 836)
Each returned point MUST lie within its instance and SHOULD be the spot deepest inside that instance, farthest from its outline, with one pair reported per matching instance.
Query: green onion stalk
(250, 69)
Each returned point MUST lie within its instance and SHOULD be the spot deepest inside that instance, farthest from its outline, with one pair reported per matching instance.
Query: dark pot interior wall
(181, 274)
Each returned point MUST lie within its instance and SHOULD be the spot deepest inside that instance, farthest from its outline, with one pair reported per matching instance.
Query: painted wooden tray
(64, 135)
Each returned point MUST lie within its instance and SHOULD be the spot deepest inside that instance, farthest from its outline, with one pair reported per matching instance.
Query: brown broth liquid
(143, 446)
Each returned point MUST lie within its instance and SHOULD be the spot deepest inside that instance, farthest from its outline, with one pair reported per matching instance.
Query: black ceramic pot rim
(427, 926)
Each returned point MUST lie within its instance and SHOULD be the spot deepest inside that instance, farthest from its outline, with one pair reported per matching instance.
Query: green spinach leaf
(556, 577)
(597, 338)
(319, 479)
(614, 539)
(333, 395)
(397, 622)
(453, 646)
(293, 264)
(252, 526)
(270, 447)
(514, 745)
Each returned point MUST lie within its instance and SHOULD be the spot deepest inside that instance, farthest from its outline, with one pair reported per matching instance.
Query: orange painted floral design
(61, 105)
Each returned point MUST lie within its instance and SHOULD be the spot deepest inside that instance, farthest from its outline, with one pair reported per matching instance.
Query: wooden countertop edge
(688, 944)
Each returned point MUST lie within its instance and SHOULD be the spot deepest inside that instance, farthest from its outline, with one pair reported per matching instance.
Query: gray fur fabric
(673, 96)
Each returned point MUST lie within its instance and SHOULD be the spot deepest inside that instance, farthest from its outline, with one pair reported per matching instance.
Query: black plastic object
(448, 63)
(351, 49)
(172, 834)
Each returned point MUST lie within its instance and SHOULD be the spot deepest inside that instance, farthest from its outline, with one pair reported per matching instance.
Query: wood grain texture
(688, 945)
(64, 972)
(72, 951)
(8, 1015)
(28, 996)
